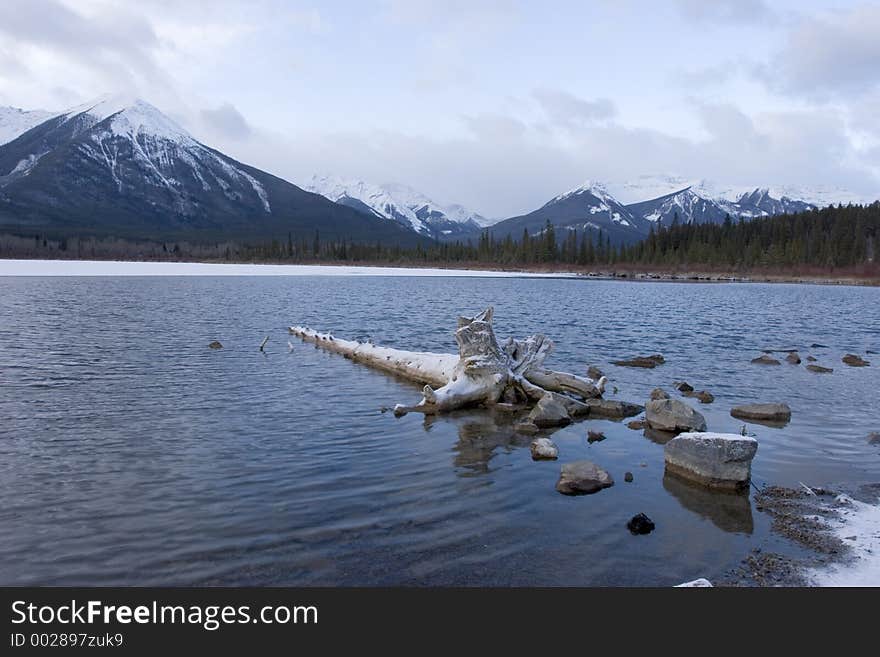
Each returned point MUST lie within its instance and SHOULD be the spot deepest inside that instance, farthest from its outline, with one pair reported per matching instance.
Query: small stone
(811, 359)
(582, 478)
(765, 360)
(215, 345)
(628, 477)
(874, 438)
(659, 393)
(594, 373)
(855, 361)
(818, 369)
(636, 425)
(595, 436)
(705, 397)
(816, 345)
(543, 449)
(793, 358)
(640, 524)
(684, 386)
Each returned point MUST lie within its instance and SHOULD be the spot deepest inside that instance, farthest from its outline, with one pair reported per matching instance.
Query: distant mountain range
(119, 167)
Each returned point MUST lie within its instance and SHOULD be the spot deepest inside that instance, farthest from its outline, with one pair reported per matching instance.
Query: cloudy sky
(495, 104)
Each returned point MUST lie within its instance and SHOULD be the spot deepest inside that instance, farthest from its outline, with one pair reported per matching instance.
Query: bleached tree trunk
(484, 372)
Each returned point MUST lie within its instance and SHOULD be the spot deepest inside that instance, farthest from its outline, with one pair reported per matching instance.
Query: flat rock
(793, 358)
(648, 362)
(716, 460)
(765, 360)
(640, 524)
(818, 369)
(762, 412)
(613, 409)
(705, 397)
(855, 361)
(548, 412)
(215, 345)
(582, 478)
(673, 415)
(543, 449)
(659, 393)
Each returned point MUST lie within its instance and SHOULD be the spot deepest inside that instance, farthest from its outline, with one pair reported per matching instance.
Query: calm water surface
(130, 453)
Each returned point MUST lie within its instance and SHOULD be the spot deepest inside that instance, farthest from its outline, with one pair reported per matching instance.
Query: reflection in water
(659, 437)
(730, 512)
(480, 434)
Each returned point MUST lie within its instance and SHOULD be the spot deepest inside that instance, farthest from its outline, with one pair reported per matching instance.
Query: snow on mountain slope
(15, 122)
(400, 203)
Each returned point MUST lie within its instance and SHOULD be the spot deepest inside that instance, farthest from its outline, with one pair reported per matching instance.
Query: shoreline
(42, 267)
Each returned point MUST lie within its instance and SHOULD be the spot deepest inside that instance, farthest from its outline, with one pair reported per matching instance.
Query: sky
(495, 104)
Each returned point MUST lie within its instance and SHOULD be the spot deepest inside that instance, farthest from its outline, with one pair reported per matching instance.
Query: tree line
(833, 238)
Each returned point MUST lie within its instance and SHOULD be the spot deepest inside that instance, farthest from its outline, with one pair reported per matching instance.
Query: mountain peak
(130, 116)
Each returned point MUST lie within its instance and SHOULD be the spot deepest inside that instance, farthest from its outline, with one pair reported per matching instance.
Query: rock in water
(215, 345)
(765, 360)
(811, 359)
(595, 436)
(637, 425)
(701, 583)
(543, 449)
(793, 358)
(526, 427)
(705, 397)
(874, 438)
(640, 524)
(648, 362)
(818, 369)
(549, 413)
(594, 373)
(762, 412)
(582, 478)
(613, 409)
(627, 477)
(855, 361)
(716, 460)
(673, 415)
(684, 386)
(659, 393)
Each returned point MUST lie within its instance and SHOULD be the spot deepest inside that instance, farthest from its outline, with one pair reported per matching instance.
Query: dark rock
(594, 373)
(628, 476)
(613, 409)
(673, 415)
(705, 397)
(818, 369)
(637, 425)
(684, 386)
(640, 524)
(543, 449)
(765, 360)
(793, 358)
(816, 345)
(762, 412)
(648, 362)
(874, 438)
(659, 393)
(582, 478)
(215, 345)
(811, 359)
(855, 361)
(595, 436)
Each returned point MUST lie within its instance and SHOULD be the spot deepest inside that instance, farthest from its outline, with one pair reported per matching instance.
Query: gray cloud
(822, 57)
(565, 109)
(727, 11)
(227, 121)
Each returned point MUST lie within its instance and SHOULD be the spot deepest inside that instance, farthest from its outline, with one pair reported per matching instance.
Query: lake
(132, 454)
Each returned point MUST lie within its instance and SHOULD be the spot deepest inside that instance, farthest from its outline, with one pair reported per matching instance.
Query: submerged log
(483, 372)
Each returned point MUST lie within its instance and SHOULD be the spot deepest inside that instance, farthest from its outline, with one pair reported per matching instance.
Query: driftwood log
(483, 373)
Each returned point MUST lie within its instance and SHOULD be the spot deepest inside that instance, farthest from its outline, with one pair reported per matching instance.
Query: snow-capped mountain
(14, 122)
(401, 204)
(120, 166)
(587, 208)
(685, 205)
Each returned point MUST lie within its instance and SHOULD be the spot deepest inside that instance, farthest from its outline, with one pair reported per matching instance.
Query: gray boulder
(582, 478)
(673, 415)
(549, 412)
(543, 449)
(716, 460)
(659, 393)
(762, 412)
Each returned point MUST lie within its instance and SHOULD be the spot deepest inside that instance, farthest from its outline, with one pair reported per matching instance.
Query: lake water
(130, 453)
